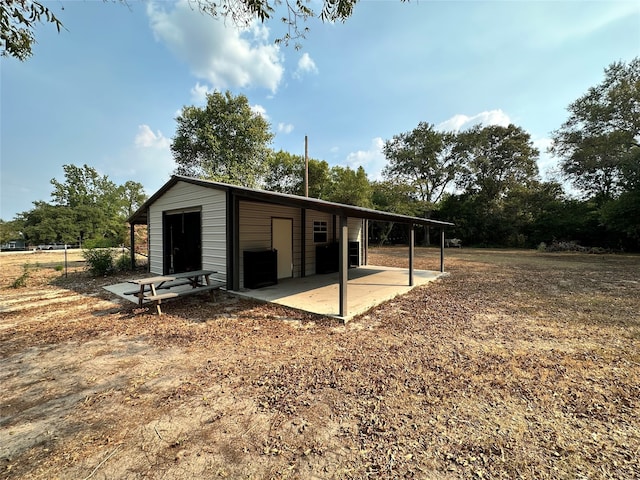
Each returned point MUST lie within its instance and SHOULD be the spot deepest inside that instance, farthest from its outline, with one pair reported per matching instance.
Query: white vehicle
(52, 246)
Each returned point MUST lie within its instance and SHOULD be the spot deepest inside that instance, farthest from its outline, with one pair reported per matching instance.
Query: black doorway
(182, 242)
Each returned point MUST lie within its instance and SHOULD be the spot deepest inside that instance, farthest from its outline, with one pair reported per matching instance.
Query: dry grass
(517, 365)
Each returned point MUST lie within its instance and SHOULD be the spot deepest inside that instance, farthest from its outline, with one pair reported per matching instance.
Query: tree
(47, 223)
(132, 196)
(350, 187)
(285, 174)
(496, 159)
(11, 230)
(85, 205)
(423, 159)
(224, 141)
(81, 186)
(599, 143)
(391, 197)
(18, 18)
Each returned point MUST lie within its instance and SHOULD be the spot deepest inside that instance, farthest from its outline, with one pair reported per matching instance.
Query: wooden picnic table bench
(199, 280)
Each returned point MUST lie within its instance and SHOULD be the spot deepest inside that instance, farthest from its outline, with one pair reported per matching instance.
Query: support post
(133, 246)
(365, 250)
(412, 242)
(303, 242)
(343, 267)
(442, 250)
(233, 247)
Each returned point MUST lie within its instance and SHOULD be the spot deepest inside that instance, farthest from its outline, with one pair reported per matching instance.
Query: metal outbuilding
(254, 238)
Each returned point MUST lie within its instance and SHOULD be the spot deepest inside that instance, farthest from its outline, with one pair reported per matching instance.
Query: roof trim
(140, 216)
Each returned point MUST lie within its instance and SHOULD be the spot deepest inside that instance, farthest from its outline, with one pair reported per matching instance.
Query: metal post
(412, 241)
(442, 250)
(303, 241)
(306, 166)
(133, 246)
(343, 264)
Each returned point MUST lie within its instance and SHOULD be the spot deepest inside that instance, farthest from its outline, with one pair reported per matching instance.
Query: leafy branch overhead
(19, 18)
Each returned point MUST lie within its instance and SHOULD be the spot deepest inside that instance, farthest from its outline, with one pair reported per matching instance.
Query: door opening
(182, 242)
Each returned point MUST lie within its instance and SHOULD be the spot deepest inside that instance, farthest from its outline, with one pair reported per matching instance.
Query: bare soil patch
(517, 365)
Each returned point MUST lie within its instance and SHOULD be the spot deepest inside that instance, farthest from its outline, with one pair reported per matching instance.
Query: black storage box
(260, 268)
(327, 258)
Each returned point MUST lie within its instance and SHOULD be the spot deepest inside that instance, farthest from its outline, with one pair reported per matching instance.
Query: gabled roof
(244, 193)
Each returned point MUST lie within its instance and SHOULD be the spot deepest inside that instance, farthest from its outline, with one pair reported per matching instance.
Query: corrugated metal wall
(310, 254)
(213, 221)
(254, 225)
(255, 230)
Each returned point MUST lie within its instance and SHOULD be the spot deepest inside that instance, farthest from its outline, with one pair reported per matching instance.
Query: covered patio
(368, 286)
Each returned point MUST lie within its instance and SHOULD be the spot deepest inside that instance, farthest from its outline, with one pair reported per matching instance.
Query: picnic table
(199, 280)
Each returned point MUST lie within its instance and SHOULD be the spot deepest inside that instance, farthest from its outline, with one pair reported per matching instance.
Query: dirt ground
(517, 365)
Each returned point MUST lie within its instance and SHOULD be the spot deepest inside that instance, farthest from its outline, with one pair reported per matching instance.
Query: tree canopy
(495, 159)
(85, 205)
(225, 141)
(285, 174)
(599, 144)
(18, 19)
(422, 158)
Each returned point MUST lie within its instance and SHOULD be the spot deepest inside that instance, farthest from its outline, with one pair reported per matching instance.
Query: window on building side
(319, 232)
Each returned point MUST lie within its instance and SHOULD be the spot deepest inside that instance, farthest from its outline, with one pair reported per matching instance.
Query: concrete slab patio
(367, 287)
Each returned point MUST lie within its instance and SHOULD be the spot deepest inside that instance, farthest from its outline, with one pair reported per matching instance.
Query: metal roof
(244, 193)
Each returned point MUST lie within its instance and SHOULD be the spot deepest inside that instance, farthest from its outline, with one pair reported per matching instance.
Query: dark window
(319, 232)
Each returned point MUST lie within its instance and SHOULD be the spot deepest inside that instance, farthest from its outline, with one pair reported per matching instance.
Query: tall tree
(11, 230)
(81, 186)
(422, 158)
(393, 197)
(224, 141)
(285, 174)
(85, 205)
(496, 159)
(132, 196)
(600, 142)
(351, 187)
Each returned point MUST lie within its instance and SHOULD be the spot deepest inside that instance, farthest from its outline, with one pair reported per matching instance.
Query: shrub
(93, 243)
(123, 262)
(99, 261)
(542, 247)
(21, 281)
(59, 268)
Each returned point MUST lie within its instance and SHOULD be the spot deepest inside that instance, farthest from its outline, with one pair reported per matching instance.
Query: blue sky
(106, 90)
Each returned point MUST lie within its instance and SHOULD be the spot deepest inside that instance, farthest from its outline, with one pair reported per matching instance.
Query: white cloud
(372, 160)
(305, 65)
(285, 127)
(146, 138)
(260, 110)
(224, 55)
(199, 93)
(462, 122)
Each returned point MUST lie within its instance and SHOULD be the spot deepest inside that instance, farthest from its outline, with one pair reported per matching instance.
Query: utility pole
(306, 166)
